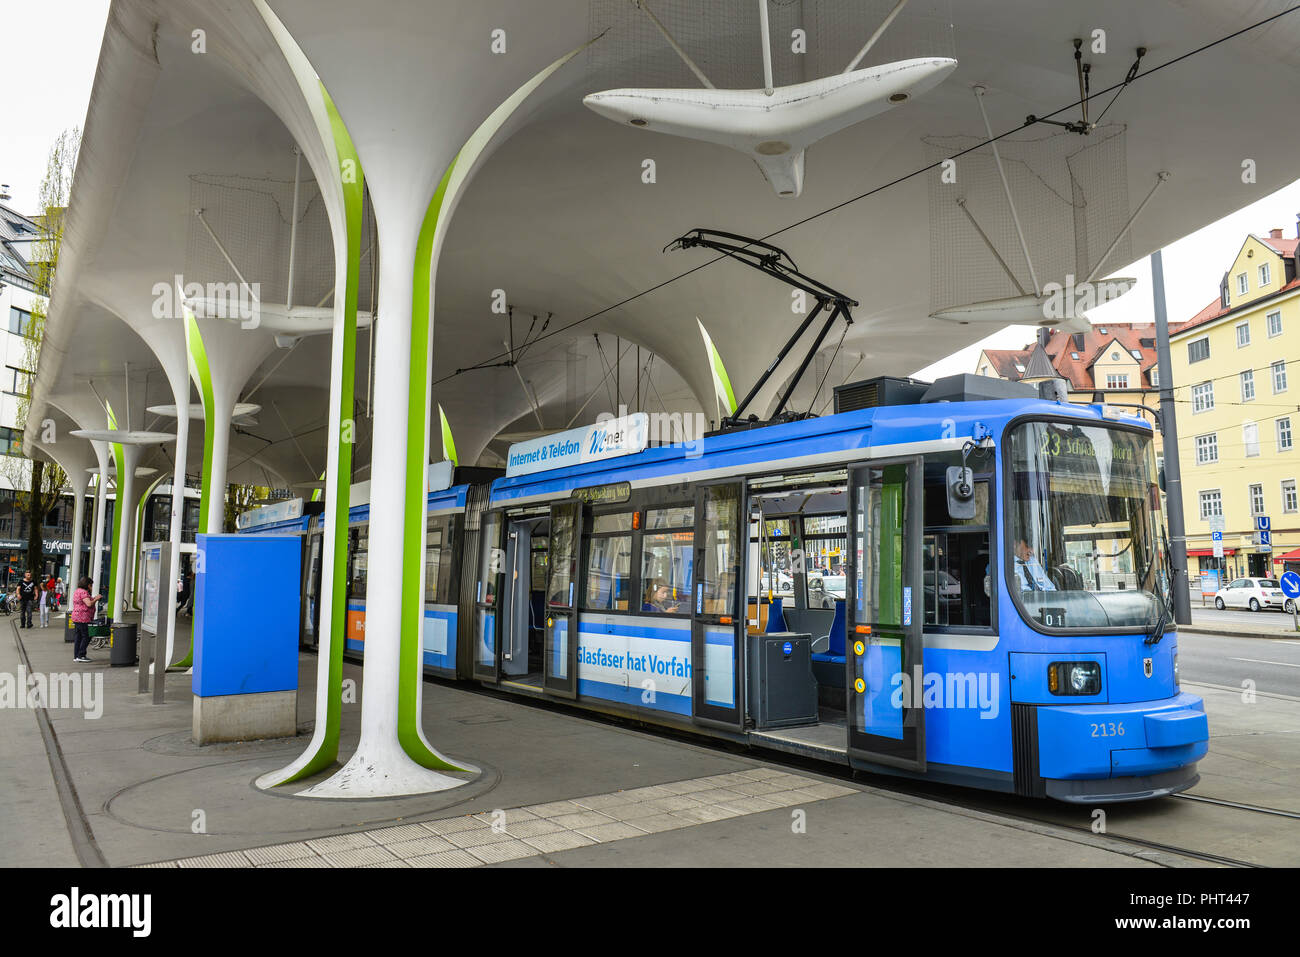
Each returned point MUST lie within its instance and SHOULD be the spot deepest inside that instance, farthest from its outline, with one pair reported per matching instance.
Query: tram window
(540, 546)
(667, 557)
(957, 576)
(360, 552)
(438, 561)
(721, 551)
(777, 561)
(824, 545)
(559, 587)
(609, 563)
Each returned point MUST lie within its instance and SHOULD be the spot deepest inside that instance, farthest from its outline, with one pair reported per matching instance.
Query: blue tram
(966, 582)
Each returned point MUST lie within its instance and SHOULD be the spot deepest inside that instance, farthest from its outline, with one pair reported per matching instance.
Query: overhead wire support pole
(961, 203)
(293, 227)
(673, 43)
(1006, 187)
(880, 30)
(766, 30)
(226, 255)
(1160, 178)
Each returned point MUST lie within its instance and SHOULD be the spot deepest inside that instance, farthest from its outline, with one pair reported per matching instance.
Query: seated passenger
(658, 598)
(1029, 571)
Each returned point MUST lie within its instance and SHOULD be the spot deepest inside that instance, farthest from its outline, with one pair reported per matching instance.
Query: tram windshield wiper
(1162, 618)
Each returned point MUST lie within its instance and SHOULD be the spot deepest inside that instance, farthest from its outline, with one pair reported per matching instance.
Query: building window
(1202, 397)
(20, 321)
(1248, 385)
(1074, 356)
(1155, 377)
(1243, 284)
(1117, 381)
(1211, 504)
(17, 381)
(1263, 274)
(1243, 334)
(1289, 503)
(984, 370)
(1284, 434)
(1198, 349)
(1207, 448)
(1250, 438)
(1257, 500)
(1274, 320)
(1279, 376)
(11, 441)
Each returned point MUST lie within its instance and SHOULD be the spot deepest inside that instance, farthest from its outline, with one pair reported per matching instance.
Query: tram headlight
(1074, 677)
(1176, 683)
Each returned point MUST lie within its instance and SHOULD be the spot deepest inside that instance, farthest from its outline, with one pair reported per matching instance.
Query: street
(1228, 660)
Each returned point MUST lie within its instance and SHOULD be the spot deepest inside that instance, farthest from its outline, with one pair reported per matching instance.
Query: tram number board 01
(604, 494)
(1051, 617)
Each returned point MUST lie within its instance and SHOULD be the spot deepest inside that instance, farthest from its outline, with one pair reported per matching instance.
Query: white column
(219, 422)
(380, 766)
(182, 396)
(96, 552)
(79, 482)
(125, 493)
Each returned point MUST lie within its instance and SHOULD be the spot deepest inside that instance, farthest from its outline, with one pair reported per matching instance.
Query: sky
(1192, 265)
(72, 29)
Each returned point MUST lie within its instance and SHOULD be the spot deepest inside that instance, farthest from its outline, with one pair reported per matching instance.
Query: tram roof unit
(859, 435)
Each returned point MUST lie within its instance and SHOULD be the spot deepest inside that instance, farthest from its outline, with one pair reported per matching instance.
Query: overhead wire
(1128, 80)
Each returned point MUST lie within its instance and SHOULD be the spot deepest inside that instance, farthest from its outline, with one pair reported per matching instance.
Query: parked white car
(1253, 593)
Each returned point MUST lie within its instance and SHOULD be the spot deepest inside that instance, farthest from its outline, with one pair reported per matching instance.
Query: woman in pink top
(82, 610)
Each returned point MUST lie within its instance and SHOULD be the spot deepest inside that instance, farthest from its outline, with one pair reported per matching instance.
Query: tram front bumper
(1133, 740)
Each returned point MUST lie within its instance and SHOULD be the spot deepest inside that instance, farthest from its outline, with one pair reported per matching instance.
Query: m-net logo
(76, 910)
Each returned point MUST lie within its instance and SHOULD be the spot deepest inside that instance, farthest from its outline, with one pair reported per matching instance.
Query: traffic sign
(1291, 585)
(1216, 536)
(1216, 523)
(1262, 523)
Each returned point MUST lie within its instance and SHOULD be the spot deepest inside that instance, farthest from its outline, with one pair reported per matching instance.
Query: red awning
(1209, 552)
(1291, 556)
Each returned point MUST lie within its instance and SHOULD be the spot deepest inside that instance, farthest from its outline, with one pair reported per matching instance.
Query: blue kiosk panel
(245, 617)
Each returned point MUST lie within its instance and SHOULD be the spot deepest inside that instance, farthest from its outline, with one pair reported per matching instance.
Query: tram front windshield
(1085, 539)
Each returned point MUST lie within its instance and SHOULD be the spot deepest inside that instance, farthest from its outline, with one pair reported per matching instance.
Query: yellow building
(1234, 367)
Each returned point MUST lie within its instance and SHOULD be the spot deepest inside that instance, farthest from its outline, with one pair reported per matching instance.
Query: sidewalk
(555, 789)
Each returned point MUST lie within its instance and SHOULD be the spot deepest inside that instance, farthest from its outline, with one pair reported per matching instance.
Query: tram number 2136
(1111, 729)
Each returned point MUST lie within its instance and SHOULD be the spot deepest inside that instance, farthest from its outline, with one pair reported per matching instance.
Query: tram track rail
(992, 803)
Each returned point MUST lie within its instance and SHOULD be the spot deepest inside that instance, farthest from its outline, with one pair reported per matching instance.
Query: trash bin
(123, 651)
(70, 632)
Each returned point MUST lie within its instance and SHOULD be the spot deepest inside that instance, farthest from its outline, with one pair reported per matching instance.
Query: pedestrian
(28, 595)
(58, 594)
(82, 611)
(47, 598)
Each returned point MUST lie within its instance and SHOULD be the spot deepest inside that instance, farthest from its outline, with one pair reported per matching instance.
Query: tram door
(491, 578)
(564, 585)
(884, 612)
(717, 617)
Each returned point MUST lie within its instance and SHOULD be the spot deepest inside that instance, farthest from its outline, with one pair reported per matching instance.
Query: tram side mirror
(961, 493)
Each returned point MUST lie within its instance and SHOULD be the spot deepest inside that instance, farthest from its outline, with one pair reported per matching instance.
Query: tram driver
(1029, 570)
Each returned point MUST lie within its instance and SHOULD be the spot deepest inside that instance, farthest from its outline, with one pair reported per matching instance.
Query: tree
(46, 479)
(239, 499)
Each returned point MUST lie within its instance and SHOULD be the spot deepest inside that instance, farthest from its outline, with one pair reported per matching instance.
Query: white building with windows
(19, 239)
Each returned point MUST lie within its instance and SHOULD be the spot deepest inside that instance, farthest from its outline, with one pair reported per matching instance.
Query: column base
(245, 717)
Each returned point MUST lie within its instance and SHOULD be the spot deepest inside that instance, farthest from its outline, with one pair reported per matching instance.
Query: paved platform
(557, 789)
